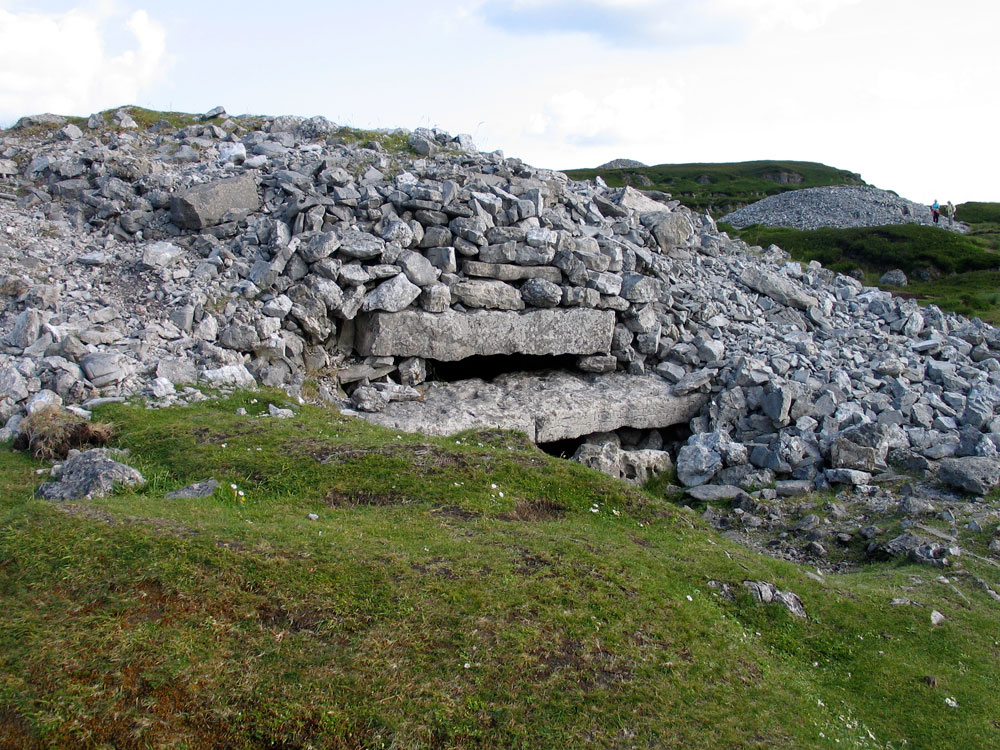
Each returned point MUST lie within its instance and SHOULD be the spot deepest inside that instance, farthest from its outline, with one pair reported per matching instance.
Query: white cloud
(767, 15)
(57, 62)
(613, 115)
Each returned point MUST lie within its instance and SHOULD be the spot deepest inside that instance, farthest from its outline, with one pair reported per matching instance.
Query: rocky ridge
(841, 206)
(238, 252)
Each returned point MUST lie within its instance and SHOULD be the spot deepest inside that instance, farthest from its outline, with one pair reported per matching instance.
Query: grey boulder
(90, 474)
(213, 203)
(973, 474)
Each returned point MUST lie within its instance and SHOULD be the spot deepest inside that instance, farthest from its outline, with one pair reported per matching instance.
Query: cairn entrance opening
(491, 367)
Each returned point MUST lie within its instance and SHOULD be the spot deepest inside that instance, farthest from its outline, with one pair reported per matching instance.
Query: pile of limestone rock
(842, 206)
(241, 251)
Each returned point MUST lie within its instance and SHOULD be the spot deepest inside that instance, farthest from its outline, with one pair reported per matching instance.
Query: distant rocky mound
(841, 206)
(428, 286)
(622, 164)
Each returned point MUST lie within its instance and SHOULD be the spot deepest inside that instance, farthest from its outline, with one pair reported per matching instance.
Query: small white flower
(223, 445)
(467, 665)
(493, 487)
(689, 598)
(616, 512)
(233, 487)
(501, 494)
(241, 494)
(951, 702)
(594, 509)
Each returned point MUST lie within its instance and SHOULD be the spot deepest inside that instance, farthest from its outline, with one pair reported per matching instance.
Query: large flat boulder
(213, 203)
(778, 288)
(451, 336)
(546, 407)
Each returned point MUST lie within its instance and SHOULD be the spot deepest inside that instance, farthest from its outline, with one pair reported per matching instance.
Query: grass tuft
(52, 432)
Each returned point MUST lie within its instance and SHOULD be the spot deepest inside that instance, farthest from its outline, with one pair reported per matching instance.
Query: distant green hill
(724, 187)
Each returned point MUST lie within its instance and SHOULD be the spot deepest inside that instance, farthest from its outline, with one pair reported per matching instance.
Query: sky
(904, 92)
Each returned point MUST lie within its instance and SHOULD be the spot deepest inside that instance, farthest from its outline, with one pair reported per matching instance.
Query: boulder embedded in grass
(89, 475)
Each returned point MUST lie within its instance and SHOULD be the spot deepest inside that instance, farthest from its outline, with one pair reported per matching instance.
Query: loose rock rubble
(242, 251)
(838, 206)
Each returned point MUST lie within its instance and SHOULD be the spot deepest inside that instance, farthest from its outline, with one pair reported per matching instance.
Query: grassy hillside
(910, 247)
(459, 592)
(721, 188)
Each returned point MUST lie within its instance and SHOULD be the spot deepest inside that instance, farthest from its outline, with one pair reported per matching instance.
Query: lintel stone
(452, 336)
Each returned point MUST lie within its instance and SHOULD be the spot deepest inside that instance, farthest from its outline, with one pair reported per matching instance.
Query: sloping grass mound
(910, 247)
(723, 187)
(978, 213)
(456, 592)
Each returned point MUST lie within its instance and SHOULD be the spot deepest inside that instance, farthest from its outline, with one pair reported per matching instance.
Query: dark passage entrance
(563, 448)
(488, 368)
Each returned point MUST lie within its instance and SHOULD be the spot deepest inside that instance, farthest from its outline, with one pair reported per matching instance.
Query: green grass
(973, 294)
(911, 247)
(723, 187)
(426, 609)
(978, 213)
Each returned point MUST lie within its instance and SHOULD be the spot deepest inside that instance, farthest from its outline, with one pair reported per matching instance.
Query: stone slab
(546, 407)
(508, 272)
(452, 336)
(212, 203)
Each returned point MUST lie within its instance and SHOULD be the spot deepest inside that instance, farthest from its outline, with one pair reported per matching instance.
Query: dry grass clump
(51, 432)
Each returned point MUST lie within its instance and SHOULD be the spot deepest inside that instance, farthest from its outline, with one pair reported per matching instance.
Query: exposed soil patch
(15, 732)
(206, 435)
(535, 510)
(595, 668)
(355, 498)
(531, 564)
(456, 513)
(276, 616)
(640, 541)
(155, 604)
(434, 567)
(421, 456)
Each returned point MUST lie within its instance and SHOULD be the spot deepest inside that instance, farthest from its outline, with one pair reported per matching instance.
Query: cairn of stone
(238, 252)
